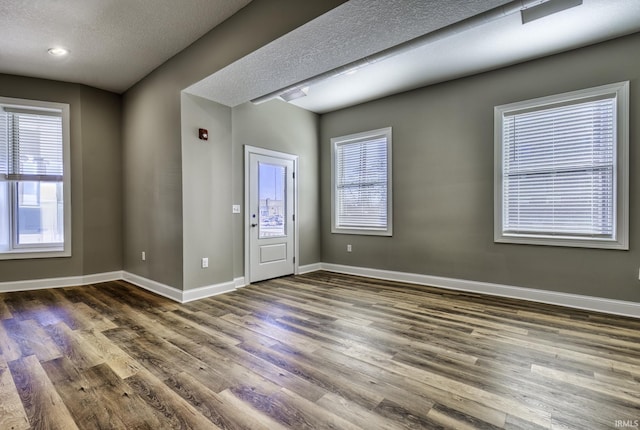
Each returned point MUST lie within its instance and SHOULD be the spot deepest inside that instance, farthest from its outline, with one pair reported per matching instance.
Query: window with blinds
(562, 169)
(34, 179)
(33, 147)
(362, 183)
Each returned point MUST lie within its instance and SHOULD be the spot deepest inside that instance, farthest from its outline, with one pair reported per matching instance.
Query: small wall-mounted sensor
(203, 134)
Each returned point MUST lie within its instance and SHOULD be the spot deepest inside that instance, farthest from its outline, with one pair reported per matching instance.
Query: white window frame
(54, 250)
(621, 179)
(365, 230)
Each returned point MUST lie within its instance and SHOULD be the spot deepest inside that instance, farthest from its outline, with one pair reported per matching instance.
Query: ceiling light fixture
(58, 52)
(294, 93)
(508, 9)
(547, 8)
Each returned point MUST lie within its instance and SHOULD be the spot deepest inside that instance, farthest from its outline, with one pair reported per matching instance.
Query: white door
(270, 214)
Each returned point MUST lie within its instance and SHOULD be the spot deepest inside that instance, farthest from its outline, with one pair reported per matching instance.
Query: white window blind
(559, 167)
(361, 182)
(562, 169)
(4, 144)
(33, 147)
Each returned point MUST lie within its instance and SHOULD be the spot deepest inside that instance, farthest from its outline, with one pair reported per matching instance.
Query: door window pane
(272, 208)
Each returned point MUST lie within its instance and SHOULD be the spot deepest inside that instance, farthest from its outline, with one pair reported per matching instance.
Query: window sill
(363, 231)
(23, 254)
(563, 241)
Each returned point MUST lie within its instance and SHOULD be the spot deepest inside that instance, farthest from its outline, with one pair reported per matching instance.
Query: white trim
(181, 296)
(620, 241)
(96, 278)
(358, 138)
(308, 268)
(69, 281)
(139, 281)
(598, 304)
(54, 251)
(153, 286)
(208, 291)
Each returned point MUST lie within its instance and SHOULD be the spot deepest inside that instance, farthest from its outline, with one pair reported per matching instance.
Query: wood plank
(397, 413)
(449, 418)
(630, 396)
(254, 418)
(5, 313)
(164, 359)
(87, 401)
(356, 414)
(298, 412)
(364, 395)
(120, 362)
(216, 407)
(74, 346)
(121, 400)
(9, 349)
(12, 413)
(175, 412)
(90, 319)
(45, 409)
(35, 340)
(564, 353)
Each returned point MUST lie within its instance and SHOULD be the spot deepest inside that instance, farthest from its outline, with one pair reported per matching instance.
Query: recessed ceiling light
(58, 52)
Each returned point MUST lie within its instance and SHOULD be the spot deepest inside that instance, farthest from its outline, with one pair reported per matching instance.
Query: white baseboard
(617, 307)
(309, 268)
(139, 281)
(598, 304)
(181, 296)
(68, 281)
(101, 277)
(208, 291)
(153, 286)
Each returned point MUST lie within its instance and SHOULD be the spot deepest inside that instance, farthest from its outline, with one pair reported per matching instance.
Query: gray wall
(283, 127)
(443, 179)
(96, 188)
(206, 192)
(102, 180)
(152, 131)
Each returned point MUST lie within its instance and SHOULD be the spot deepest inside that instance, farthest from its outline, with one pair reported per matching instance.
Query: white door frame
(247, 216)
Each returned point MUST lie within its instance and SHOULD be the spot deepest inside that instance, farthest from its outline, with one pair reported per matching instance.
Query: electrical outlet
(349, 248)
(205, 262)
(235, 209)
(143, 256)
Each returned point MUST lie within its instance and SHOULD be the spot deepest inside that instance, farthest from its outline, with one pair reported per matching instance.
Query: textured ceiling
(360, 28)
(347, 33)
(492, 45)
(112, 43)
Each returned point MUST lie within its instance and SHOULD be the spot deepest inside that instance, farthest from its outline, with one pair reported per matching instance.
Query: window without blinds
(361, 192)
(559, 169)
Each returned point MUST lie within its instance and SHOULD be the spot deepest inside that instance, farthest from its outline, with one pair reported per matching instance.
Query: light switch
(235, 209)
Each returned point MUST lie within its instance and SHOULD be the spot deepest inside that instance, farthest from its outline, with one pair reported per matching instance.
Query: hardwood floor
(313, 351)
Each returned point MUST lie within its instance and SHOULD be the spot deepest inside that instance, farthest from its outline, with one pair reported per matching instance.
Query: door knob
(254, 225)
